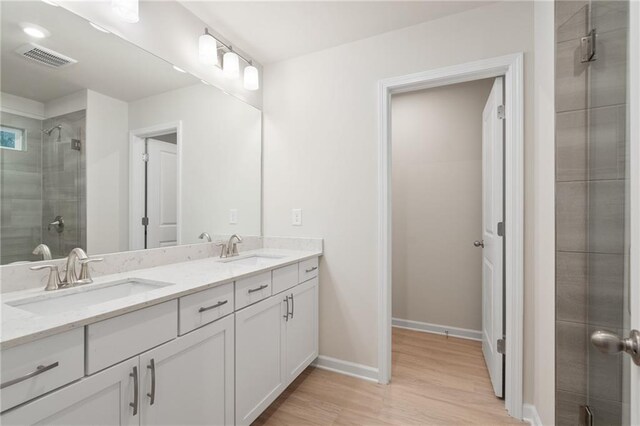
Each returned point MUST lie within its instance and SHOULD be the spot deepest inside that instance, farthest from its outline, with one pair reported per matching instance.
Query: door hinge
(588, 47)
(145, 221)
(501, 346)
(501, 229)
(145, 157)
(501, 112)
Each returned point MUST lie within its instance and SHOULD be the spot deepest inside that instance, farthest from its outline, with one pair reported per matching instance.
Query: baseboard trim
(530, 415)
(462, 333)
(347, 368)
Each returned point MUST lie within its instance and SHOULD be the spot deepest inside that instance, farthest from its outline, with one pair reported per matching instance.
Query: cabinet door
(259, 350)
(189, 381)
(301, 336)
(106, 398)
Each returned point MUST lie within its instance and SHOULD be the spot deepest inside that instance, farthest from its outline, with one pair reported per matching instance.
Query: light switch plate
(296, 217)
(233, 216)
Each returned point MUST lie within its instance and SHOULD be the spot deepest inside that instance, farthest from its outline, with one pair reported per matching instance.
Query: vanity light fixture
(127, 10)
(231, 64)
(35, 31)
(179, 69)
(251, 80)
(208, 48)
(99, 28)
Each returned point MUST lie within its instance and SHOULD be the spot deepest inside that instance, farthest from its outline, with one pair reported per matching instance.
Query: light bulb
(208, 49)
(127, 10)
(35, 32)
(251, 80)
(231, 65)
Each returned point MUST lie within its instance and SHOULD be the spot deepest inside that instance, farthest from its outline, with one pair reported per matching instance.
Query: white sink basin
(253, 260)
(83, 296)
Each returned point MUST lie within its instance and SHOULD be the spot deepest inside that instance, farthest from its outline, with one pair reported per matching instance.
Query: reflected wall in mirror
(107, 147)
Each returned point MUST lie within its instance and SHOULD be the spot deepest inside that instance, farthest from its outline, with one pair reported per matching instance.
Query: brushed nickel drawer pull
(286, 316)
(152, 394)
(134, 404)
(217, 305)
(262, 287)
(311, 269)
(291, 305)
(39, 370)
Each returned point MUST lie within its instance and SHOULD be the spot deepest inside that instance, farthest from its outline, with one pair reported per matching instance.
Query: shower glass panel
(591, 210)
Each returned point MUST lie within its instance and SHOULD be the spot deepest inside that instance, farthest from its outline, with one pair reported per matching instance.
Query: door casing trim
(511, 67)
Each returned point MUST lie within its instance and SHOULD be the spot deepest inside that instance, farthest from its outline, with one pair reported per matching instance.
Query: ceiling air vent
(44, 56)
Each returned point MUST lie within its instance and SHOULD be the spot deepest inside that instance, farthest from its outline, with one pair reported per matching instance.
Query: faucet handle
(53, 282)
(85, 272)
(234, 248)
(223, 249)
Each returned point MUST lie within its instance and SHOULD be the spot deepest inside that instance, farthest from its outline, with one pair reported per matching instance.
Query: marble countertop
(19, 326)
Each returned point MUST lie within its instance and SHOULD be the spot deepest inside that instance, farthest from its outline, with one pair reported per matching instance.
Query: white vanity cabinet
(106, 398)
(276, 339)
(190, 380)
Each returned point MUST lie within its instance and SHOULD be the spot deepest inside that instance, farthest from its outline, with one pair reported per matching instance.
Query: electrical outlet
(233, 216)
(296, 217)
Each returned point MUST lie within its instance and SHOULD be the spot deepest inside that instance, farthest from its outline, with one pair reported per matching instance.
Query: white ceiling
(271, 31)
(106, 63)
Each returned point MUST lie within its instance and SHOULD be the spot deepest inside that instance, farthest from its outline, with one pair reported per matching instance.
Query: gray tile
(606, 216)
(607, 138)
(606, 290)
(571, 77)
(571, 216)
(604, 371)
(606, 413)
(571, 287)
(571, 146)
(571, 19)
(568, 408)
(571, 356)
(608, 15)
(608, 82)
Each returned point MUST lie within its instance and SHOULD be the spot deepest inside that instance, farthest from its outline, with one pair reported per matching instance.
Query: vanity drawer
(38, 367)
(116, 339)
(253, 289)
(308, 269)
(285, 278)
(204, 307)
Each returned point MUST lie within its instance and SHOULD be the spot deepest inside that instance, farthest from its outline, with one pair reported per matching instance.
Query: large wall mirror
(107, 147)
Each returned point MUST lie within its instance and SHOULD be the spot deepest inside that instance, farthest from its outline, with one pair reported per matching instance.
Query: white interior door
(162, 195)
(492, 252)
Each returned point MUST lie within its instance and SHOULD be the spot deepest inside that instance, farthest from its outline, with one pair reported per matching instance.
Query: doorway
(512, 224)
(154, 194)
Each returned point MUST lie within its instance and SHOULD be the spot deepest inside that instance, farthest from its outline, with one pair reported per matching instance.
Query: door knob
(610, 343)
(478, 243)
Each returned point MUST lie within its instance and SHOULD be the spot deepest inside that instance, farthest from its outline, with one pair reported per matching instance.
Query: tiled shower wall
(21, 192)
(64, 175)
(590, 206)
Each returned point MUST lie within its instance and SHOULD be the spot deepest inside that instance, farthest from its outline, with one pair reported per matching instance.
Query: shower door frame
(512, 68)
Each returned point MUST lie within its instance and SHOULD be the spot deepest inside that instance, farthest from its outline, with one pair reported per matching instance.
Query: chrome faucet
(232, 246)
(71, 277)
(205, 235)
(43, 249)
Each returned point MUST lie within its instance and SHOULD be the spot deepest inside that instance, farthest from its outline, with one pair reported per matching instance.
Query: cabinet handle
(152, 367)
(262, 287)
(217, 305)
(291, 305)
(286, 316)
(311, 269)
(39, 370)
(134, 404)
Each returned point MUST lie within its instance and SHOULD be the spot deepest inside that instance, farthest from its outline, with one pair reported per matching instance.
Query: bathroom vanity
(209, 341)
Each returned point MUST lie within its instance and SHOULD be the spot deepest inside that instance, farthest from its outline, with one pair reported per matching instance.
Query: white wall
(320, 154)
(21, 106)
(107, 159)
(170, 31)
(221, 157)
(73, 102)
(437, 204)
(543, 313)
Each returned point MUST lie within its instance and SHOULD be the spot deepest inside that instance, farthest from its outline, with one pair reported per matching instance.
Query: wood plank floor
(435, 381)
